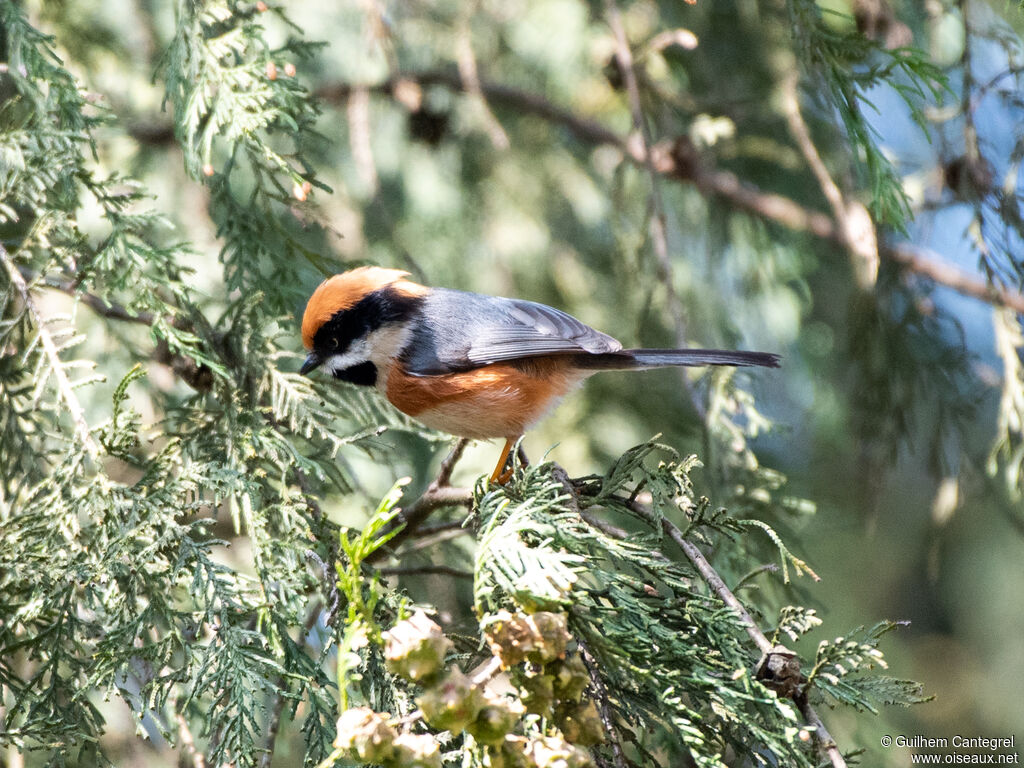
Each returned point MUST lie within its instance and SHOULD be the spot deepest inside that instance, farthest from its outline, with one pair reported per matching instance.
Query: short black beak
(312, 362)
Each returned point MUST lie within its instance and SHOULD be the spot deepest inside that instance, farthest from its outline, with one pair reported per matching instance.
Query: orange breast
(499, 400)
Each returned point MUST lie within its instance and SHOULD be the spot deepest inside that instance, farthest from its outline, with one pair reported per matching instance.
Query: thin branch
(825, 741)
(196, 757)
(413, 515)
(444, 473)
(438, 494)
(856, 230)
(710, 576)
(603, 703)
(109, 309)
(717, 585)
(435, 570)
(470, 75)
(659, 226)
(65, 389)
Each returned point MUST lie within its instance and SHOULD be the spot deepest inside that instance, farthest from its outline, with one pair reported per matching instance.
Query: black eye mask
(365, 316)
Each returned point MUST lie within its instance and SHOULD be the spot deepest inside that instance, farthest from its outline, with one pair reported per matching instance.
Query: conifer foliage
(609, 622)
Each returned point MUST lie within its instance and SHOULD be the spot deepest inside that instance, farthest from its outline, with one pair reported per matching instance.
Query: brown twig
(676, 159)
(444, 472)
(603, 703)
(438, 494)
(708, 573)
(103, 308)
(717, 585)
(421, 509)
(854, 226)
(188, 742)
(826, 743)
(415, 570)
(923, 262)
(659, 221)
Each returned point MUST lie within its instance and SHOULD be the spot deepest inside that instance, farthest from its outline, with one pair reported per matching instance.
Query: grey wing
(474, 330)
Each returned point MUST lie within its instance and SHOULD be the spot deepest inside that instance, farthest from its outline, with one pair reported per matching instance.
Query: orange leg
(497, 476)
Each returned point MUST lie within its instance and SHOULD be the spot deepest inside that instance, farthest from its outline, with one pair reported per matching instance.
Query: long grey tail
(657, 358)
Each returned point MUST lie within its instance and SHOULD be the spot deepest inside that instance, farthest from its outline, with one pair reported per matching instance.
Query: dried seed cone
(540, 637)
(556, 752)
(365, 735)
(552, 633)
(452, 703)
(570, 678)
(581, 724)
(511, 753)
(537, 693)
(415, 648)
(496, 718)
(416, 751)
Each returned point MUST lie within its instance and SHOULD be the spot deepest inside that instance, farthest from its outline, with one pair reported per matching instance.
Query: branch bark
(826, 743)
(659, 221)
(678, 160)
(439, 493)
(603, 704)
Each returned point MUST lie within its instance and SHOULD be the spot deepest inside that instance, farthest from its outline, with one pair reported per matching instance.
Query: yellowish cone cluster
(550, 682)
(415, 648)
(538, 637)
(452, 703)
(365, 735)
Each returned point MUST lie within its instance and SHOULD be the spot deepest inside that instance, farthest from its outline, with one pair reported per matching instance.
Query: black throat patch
(364, 374)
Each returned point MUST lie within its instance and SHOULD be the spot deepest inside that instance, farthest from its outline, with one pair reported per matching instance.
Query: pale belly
(494, 401)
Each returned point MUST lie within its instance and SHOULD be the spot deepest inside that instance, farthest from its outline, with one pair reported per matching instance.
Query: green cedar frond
(849, 63)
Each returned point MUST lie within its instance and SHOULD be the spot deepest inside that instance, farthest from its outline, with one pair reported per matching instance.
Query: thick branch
(919, 260)
(679, 160)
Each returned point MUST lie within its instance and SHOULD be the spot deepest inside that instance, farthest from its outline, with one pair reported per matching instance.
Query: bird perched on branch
(467, 364)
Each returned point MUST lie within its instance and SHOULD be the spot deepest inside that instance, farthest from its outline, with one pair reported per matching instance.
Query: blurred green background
(890, 397)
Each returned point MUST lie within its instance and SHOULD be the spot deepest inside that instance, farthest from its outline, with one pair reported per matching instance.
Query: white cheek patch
(358, 352)
(379, 347)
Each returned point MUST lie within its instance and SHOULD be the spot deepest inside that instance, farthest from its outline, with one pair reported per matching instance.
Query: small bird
(467, 364)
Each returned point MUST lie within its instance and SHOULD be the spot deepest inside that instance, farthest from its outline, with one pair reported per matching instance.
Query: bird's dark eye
(334, 343)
